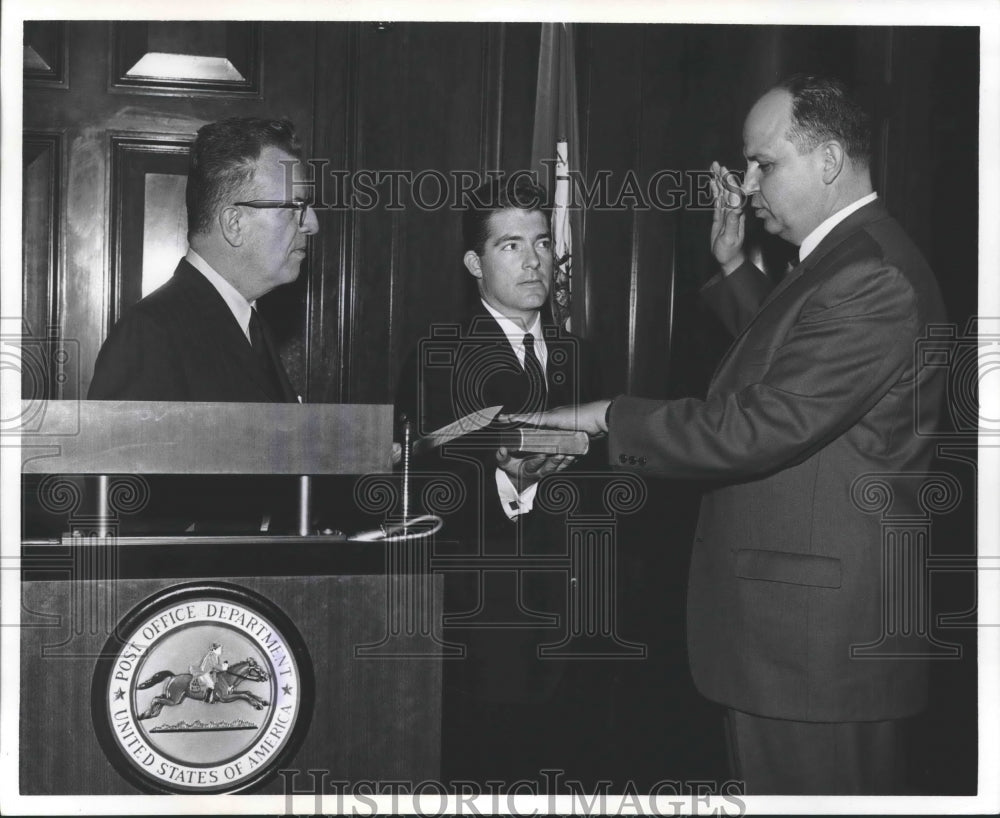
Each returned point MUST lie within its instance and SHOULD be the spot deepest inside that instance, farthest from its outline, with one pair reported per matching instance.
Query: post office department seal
(204, 688)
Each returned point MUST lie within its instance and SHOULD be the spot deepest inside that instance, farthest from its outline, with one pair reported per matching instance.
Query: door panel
(119, 127)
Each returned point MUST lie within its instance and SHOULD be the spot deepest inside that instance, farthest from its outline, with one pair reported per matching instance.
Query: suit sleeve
(136, 363)
(591, 389)
(852, 342)
(735, 298)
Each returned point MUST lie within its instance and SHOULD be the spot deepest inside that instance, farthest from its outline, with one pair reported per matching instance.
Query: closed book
(529, 441)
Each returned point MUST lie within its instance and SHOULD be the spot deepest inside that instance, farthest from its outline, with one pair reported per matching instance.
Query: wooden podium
(367, 690)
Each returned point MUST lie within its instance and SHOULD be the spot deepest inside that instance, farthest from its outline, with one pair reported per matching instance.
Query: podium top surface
(161, 437)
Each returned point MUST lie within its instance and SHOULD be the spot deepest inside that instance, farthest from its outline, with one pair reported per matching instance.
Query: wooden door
(110, 110)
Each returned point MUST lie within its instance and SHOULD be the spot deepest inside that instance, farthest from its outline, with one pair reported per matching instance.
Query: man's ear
(472, 264)
(833, 157)
(231, 225)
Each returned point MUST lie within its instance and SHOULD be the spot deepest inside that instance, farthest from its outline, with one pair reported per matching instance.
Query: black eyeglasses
(270, 204)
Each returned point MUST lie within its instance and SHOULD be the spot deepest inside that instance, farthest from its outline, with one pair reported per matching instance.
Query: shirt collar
(237, 304)
(811, 242)
(515, 335)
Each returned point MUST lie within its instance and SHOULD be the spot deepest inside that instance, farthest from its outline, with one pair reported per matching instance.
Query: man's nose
(751, 179)
(531, 258)
(310, 225)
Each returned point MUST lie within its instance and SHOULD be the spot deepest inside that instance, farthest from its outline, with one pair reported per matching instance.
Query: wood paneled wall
(444, 98)
(455, 97)
(670, 99)
(88, 112)
(654, 99)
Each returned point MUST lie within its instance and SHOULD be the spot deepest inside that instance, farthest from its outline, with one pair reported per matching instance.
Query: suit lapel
(868, 214)
(502, 378)
(871, 212)
(509, 383)
(232, 341)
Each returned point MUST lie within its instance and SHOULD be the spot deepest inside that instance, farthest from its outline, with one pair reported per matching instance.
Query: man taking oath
(819, 389)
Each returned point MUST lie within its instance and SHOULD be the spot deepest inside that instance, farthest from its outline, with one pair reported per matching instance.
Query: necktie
(536, 377)
(262, 353)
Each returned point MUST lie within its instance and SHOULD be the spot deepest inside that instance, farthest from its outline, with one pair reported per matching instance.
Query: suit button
(642, 460)
(622, 459)
(631, 459)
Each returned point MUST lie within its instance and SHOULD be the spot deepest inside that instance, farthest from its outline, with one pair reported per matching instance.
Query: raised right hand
(728, 221)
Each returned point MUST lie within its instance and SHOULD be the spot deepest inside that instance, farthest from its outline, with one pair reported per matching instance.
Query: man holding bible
(820, 389)
(503, 702)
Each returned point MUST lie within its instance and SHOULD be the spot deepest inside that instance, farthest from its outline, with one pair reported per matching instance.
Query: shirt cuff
(607, 416)
(512, 503)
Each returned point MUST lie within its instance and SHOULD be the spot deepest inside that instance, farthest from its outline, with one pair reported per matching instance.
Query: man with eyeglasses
(198, 337)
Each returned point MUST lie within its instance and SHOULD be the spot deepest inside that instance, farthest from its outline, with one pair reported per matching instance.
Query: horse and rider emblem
(202, 689)
(215, 681)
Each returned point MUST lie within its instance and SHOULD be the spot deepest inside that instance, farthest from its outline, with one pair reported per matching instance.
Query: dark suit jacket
(450, 373)
(819, 389)
(182, 343)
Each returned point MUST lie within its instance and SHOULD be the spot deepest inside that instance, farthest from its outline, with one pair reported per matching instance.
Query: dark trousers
(783, 757)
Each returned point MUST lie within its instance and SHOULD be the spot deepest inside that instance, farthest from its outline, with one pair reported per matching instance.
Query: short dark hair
(500, 192)
(823, 109)
(222, 163)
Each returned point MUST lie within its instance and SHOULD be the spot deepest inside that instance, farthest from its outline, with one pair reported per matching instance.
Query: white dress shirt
(237, 304)
(515, 504)
(810, 242)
